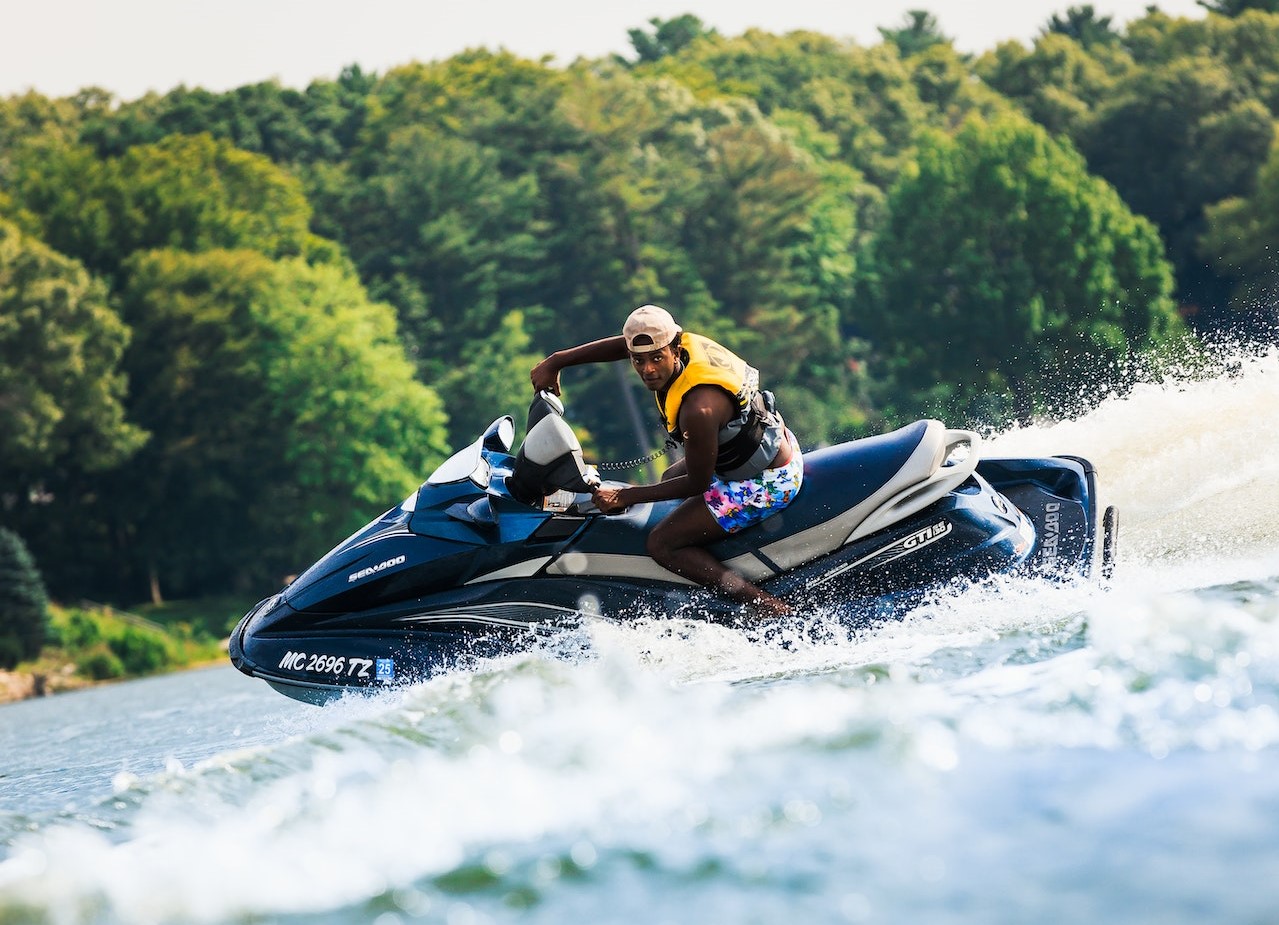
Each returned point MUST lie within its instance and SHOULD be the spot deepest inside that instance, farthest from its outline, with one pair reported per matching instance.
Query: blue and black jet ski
(497, 550)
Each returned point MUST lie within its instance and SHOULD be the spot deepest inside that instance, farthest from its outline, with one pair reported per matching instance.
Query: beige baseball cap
(649, 328)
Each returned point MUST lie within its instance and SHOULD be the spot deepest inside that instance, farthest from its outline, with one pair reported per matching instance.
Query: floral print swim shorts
(740, 504)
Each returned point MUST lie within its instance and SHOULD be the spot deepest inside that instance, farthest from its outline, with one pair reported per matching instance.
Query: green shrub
(23, 602)
(140, 650)
(75, 629)
(100, 663)
(10, 651)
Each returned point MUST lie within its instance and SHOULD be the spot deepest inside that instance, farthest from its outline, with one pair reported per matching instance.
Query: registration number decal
(336, 665)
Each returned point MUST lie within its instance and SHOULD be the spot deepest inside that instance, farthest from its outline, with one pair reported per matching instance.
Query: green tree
(1082, 24)
(442, 233)
(1059, 82)
(1008, 276)
(918, 32)
(667, 37)
(187, 192)
(441, 205)
(1246, 47)
(772, 70)
(283, 410)
(31, 118)
(1238, 7)
(31, 114)
(23, 602)
(773, 247)
(1173, 140)
(873, 101)
(289, 126)
(1177, 116)
(498, 100)
(490, 378)
(61, 386)
(614, 203)
(1242, 239)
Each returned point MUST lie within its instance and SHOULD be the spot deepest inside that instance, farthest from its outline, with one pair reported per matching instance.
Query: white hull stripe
(526, 569)
(593, 565)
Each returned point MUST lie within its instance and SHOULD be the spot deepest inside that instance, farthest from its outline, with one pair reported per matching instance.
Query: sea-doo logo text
(893, 551)
(374, 569)
(1052, 533)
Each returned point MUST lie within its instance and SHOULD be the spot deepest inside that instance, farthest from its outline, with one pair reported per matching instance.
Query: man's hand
(609, 500)
(546, 376)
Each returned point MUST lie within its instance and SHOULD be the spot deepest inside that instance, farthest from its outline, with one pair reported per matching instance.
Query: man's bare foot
(759, 612)
(758, 603)
(768, 606)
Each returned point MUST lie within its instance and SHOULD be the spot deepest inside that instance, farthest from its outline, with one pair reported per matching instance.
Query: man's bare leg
(678, 543)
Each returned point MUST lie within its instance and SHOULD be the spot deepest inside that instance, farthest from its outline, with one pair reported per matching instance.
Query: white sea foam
(1192, 463)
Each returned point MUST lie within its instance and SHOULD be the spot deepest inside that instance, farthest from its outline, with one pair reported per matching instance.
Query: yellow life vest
(706, 363)
(752, 438)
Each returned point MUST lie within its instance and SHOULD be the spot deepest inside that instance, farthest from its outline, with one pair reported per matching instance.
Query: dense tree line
(234, 324)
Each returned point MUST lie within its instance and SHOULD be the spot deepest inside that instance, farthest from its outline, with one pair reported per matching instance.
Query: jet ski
(500, 550)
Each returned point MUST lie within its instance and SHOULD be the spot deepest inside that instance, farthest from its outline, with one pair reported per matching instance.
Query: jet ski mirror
(500, 436)
(466, 463)
(550, 458)
(469, 462)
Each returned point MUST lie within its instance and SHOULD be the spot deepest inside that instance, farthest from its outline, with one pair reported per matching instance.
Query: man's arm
(704, 412)
(546, 375)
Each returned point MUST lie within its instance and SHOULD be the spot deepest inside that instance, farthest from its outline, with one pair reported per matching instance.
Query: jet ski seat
(854, 489)
(850, 490)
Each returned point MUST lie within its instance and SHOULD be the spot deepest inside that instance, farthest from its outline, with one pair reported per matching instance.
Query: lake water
(1014, 754)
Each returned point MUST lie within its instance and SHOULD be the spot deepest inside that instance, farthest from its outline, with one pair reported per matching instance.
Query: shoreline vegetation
(90, 644)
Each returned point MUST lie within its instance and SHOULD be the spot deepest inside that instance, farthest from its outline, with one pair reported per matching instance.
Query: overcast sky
(131, 46)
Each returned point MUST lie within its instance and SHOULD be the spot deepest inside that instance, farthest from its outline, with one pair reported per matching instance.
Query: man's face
(656, 367)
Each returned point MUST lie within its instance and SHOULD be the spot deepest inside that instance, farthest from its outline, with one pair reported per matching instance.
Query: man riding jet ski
(741, 464)
(495, 552)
